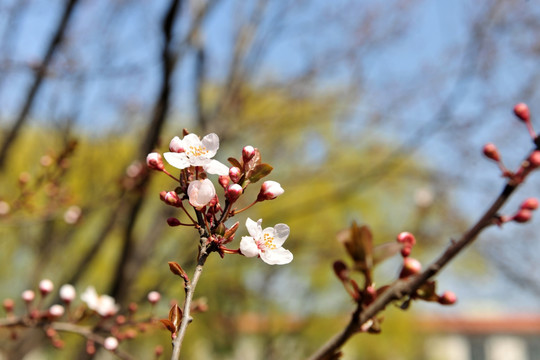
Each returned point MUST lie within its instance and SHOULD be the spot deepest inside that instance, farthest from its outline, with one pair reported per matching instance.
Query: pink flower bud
(56, 311)
(46, 286)
(200, 193)
(67, 293)
(172, 221)
(530, 204)
(224, 181)
(521, 110)
(162, 195)
(447, 298)
(534, 158)
(9, 305)
(154, 161)
(270, 190)
(491, 152)
(406, 238)
(28, 296)
(110, 343)
(522, 216)
(234, 174)
(247, 153)
(233, 192)
(176, 145)
(158, 351)
(154, 297)
(411, 267)
(171, 198)
(406, 250)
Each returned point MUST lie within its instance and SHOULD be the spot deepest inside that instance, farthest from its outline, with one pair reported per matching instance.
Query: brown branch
(407, 287)
(38, 79)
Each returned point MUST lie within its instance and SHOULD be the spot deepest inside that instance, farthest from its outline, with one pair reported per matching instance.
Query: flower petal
(248, 246)
(254, 228)
(178, 160)
(215, 167)
(281, 234)
(211, 143)
(279, 256)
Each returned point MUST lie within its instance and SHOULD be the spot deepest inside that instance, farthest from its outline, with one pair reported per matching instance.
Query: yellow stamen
(197, 151)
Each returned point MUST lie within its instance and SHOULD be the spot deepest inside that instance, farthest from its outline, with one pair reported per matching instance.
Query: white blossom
(267, 243)
(104, 305)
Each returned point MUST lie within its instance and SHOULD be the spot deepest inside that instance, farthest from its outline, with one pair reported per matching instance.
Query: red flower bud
(522, 216)
(172, 221)
(491, 152)
(521, 110)
(411, 266)
(534, 158)
(171, 198)
(530, 204)
(234, 174)
(406, 238)
(247, 153)
(406, 251)
(224, 181)
(233, 192)
(447, 298)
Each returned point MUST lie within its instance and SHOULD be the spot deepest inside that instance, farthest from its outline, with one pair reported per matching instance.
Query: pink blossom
(267, 243)
(200, 193)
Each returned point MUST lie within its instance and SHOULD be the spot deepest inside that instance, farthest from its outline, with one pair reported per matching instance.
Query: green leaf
(260, 171)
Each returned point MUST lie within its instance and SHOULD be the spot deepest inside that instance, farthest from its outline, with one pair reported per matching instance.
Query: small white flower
(191, 151)
(110, 343)
(200, 193)
(67, 293)
(266, 243)
(104, 305)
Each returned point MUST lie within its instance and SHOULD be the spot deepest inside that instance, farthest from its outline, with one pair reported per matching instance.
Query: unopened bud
(234, 174)
(270, 190)
(534, 158)
(491, 152)
(176, 145)
(406, 238)
(171, 198)
(158, 351)
(46, 286)
(224, 181)
(172, 221)
(28, 296)
(132, 307)
(530, 204)
(67, 293)
(56, 311)
(411, 267)
(341, 270)
(521, 110)
(154, 297)
(447, 298)
(406, 250)
(154, 161)
(522, 216)
(110, 343)
(247, 153)
(233, 192)
(9, 305)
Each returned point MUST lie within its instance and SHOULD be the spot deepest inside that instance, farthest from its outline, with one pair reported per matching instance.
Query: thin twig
(407, 287)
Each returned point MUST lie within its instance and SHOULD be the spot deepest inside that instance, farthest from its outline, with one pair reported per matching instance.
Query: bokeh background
(369, 111)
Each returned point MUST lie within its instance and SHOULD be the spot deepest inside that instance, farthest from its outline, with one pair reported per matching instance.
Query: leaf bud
(341, 270)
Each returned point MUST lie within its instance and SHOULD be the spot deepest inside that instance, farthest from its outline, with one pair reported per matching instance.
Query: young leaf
(259, 171)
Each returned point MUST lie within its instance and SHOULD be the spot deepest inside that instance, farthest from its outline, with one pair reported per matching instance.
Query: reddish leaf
(169, 325)
(259, 171)
(235, 162)
(175, 316)
(176, 269)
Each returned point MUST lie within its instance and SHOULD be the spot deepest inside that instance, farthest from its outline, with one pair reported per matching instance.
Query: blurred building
(493, 337)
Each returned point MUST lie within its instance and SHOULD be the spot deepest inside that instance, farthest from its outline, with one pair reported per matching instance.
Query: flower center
(196, 151)
(267, 242)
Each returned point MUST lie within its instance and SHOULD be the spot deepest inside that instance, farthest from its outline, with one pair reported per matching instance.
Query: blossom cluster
(194, 157)
(67, 318)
